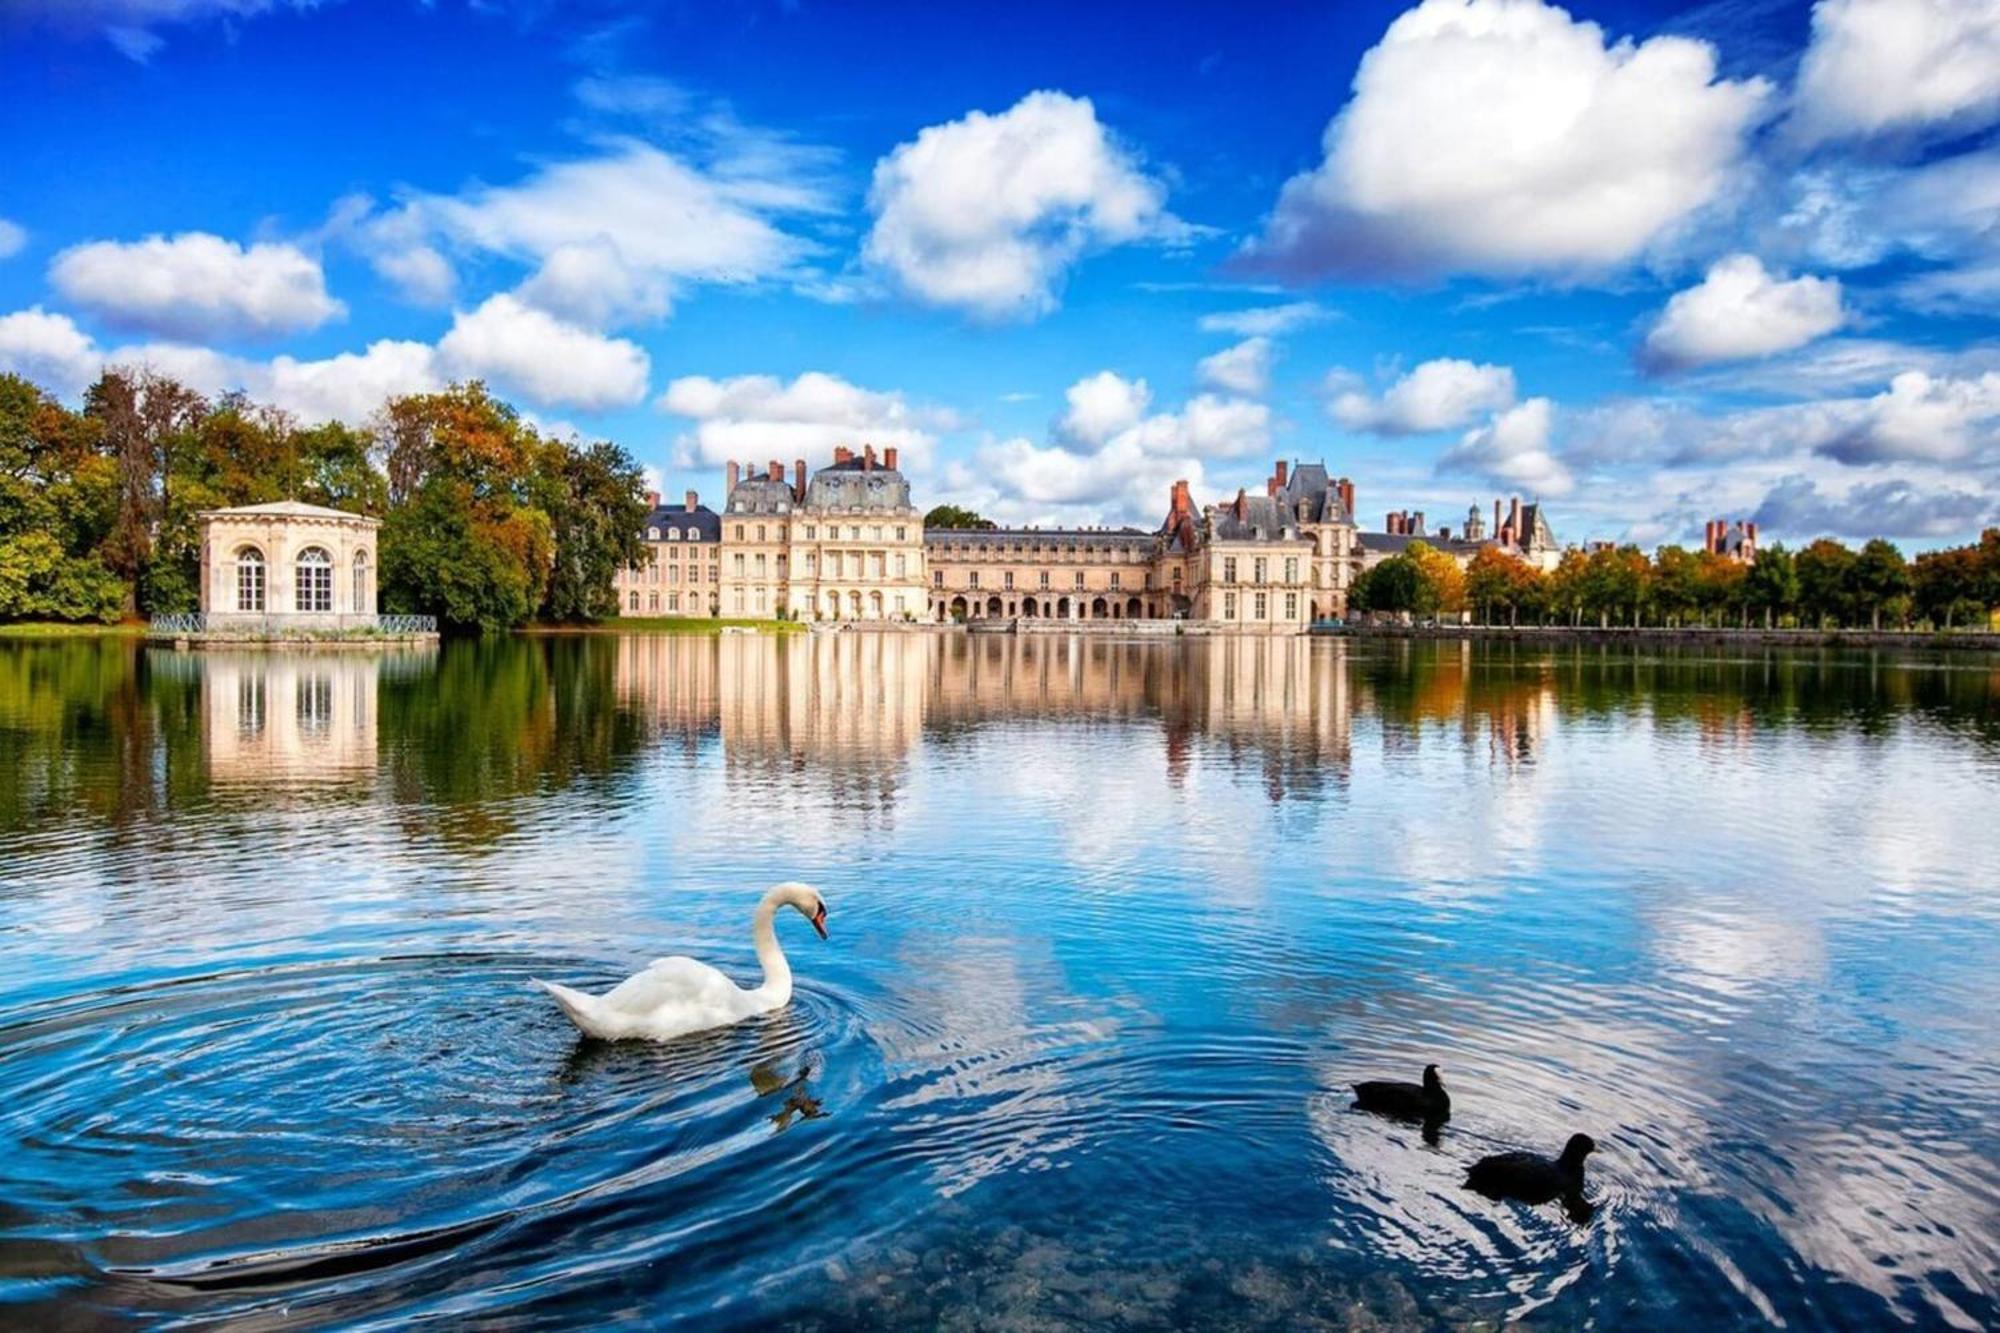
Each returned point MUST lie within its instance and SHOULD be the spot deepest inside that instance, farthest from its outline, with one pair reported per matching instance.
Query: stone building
(287, 566)
(684, 576)
(847, 543)
(1735, 542)
(1519, 530)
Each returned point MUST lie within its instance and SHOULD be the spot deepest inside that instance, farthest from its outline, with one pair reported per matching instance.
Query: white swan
(676, 996)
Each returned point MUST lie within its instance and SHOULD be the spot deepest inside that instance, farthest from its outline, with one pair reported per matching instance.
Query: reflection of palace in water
(851, 708)
(288, 719)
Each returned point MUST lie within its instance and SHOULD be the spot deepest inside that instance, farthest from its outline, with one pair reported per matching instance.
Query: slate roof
(704, 523)
(1308, 483)
(1265, 519)
(1395, 543)
(853, 485)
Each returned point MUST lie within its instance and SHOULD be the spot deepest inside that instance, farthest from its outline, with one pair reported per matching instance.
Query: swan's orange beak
(819, 920)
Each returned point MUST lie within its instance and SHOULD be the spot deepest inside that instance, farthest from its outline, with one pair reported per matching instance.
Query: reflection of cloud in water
(982, 1085)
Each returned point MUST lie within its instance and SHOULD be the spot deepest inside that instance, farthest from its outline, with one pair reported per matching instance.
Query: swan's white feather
(676, 996)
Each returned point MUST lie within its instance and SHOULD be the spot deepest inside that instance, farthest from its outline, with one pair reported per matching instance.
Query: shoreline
(1987, 641)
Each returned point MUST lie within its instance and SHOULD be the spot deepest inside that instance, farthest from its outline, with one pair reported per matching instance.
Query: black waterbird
(1528, 1177)
(1426, 1101)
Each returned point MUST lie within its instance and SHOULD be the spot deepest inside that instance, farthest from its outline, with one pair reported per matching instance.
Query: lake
(1114, 925)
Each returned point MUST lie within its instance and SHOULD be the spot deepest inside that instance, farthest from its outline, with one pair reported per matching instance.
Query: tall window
(974, 577)
(937, 578)
(1260, 605)
(901, 565)
(1257, 570)
(1008, 579)
(1079, 579)
(1229, 606)
(1229, 569)
(249, 579)
(1045, 578)
(1291, 569)
(315, 580)
(1114, 578)
(360, 602)
(1291, 606)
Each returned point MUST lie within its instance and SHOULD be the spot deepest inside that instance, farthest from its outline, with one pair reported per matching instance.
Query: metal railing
(196, 622)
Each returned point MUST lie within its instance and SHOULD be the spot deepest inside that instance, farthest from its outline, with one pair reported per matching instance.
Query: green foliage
(1879, 582)
(1772, 585)
(39, 581)
(594, 500)
(951, 516)
(1825, 571)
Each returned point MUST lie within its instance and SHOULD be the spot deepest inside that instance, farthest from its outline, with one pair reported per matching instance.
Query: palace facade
(847, 543)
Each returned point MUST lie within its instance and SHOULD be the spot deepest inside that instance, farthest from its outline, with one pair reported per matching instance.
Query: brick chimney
(1750, 531)
(694, 502)
(1242, 505)
(1347, 497)
(842, 454)
(799, 480)
(1499, 527)
(889, 458)
(867, 458)
(652, 499)
(1282, 466)
(1183, 502)
(1271, 486)
(732, 474)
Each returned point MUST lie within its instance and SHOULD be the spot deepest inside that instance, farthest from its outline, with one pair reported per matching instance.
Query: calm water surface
(1113, 927)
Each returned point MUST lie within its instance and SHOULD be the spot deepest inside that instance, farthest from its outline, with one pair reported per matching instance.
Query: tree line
(1825, 584)
(486, 523)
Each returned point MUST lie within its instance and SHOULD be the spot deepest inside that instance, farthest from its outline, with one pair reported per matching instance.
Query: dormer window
(652, 534)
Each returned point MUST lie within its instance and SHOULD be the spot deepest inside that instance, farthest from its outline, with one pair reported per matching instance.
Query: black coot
(1529, 1177)
(1425, 1101)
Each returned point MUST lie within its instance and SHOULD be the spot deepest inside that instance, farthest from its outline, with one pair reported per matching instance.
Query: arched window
(314, 590)
(360, 602)
(249, 579)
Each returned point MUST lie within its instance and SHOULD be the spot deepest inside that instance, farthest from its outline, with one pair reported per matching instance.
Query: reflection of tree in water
(502, 719)
(86, 725)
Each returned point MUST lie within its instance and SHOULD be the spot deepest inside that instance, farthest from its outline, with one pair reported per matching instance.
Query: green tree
(1879, 582)
(1394, 585)
(951, 516)
(1615, 583)
(1676, 583)
(595, 499)
(1825, 582)
(1772, 584)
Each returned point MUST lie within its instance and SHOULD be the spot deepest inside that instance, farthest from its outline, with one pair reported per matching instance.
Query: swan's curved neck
(777, 986)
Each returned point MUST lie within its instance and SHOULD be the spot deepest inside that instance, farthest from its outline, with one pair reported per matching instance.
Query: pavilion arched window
(313, 590)
(249, 579)
(361, 583)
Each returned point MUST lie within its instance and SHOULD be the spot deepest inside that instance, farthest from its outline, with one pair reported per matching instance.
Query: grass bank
(669, 625)
(61, 629)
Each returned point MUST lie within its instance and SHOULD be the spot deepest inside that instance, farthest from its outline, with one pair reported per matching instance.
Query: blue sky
(1649, 264)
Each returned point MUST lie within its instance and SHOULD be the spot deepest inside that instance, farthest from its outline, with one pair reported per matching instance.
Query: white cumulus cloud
(1244, 368)
(1879, 67)
(1438, 395)
(1513, 450)
(531, 352)
(1503, 136)
(196, 285)
(48, 349)
(608, 238)
(987, 213)
(756, 418)
(1102, 405)
(1739, 312)
(1922, 418)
